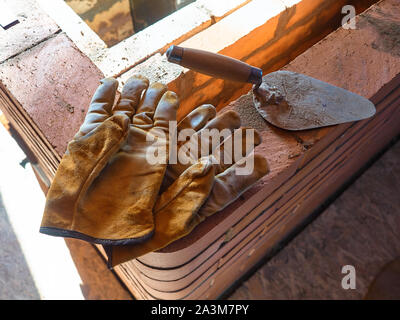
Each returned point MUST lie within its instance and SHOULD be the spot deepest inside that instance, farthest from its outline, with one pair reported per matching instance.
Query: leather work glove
(173, 212)
(104, 189)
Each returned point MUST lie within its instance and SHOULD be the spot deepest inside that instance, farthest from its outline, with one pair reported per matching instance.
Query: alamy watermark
(349, 20)
(349, 280)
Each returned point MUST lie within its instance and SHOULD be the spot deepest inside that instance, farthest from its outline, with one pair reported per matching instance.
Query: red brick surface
(54, 83)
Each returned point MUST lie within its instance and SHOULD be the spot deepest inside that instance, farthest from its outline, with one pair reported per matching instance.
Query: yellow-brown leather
(107, 195)
(175, 212)
(84, 159)
(183, 212)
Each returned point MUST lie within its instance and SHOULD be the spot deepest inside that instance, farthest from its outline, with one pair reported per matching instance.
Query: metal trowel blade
(294, 101)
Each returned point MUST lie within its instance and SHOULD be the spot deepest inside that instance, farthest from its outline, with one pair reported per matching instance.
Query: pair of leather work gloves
(106, 192)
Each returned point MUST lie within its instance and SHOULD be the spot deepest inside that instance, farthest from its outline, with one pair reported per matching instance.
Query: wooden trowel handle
(215, 65)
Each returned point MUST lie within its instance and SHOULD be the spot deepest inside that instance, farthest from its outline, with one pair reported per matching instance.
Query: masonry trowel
(286, 99)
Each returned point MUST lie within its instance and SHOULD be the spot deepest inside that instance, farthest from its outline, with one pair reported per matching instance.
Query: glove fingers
(203, 142)
(236, 147)
(230, 184)
(194, 121)
(166, 110)
(100, 106)
(209, 137)
(198, 118)
(131, 95)
(152, 96)
(227, 120)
